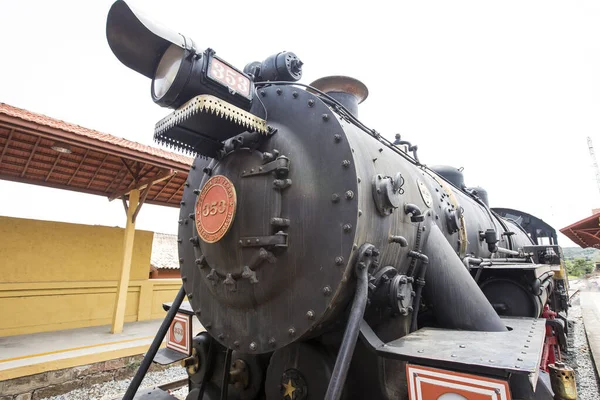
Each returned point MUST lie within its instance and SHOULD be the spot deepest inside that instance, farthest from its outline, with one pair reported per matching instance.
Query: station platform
(25, 355)
(590, 308)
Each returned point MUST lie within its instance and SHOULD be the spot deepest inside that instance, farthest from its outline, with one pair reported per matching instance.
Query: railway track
(173, 385)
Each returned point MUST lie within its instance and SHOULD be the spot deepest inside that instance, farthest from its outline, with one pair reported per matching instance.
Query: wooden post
(123, 286)
(145, 302)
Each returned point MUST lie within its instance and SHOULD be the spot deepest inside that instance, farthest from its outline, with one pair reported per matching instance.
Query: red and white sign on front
(180, 333)
(426, 383)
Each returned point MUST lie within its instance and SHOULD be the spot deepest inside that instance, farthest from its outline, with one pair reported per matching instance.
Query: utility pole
(596, 169)
(595, 163)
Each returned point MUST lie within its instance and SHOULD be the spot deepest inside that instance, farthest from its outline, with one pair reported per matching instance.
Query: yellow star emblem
(289, 389)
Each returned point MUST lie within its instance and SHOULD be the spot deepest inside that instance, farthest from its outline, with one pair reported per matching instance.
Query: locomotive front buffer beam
(511, 356)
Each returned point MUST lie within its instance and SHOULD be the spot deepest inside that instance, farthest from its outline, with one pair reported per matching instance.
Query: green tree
(579, 267)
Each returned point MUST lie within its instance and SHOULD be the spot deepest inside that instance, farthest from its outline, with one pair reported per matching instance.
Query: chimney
(348, 91)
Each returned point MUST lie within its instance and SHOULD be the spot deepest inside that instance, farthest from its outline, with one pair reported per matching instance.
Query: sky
(508, 90)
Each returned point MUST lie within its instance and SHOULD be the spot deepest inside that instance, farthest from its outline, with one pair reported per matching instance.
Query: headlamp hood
(137, 41)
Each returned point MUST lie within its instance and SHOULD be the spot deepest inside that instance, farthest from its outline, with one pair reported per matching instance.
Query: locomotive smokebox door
(266, 232)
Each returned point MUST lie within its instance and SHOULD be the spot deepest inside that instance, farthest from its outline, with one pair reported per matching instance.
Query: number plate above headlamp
(224, 74)
(213, 76)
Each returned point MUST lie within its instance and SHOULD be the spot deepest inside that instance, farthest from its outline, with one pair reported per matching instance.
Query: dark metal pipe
(149, 357)
(399, 142)
(400, 240)
(507, 260)
(415, 211)
(457, 300)
(225, 384)
(478, 262)
(507, 251)
(471, 261)
(480, 269)
(209, 366)
(420, 282)
(478, 274)
(541, 283)
(342, 363)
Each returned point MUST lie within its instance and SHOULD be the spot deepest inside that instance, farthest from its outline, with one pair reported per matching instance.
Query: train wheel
(510, 298)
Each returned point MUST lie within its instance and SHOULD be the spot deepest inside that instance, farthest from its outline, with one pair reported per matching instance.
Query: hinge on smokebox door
(278, 240)
(281, 166)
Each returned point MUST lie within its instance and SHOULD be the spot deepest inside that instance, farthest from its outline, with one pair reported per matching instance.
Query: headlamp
(179, 72)
(168, 69)
(211, 98)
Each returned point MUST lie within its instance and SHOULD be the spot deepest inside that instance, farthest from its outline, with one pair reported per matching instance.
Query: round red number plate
(215, 208)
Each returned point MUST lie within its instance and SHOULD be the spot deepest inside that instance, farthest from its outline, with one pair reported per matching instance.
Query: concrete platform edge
(591, 323)
(72, 362)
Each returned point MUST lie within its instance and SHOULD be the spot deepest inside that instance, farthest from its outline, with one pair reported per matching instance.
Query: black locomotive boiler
(325, 261)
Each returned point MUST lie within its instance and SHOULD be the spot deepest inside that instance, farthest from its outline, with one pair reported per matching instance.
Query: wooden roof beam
(78, 167)
(592, 230)
(145, 173)
(141, 202)
(6, 144)
(133, 174)
(31, 156)
(163, 188)
(52, 168)
(176, 191)
(97, 170)
(161, 176)
(588, 236)
(115, 180)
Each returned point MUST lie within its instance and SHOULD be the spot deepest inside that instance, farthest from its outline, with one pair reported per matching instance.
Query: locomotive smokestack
(348, 91)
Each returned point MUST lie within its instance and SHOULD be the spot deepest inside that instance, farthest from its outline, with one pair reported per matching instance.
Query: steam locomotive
(325, 261)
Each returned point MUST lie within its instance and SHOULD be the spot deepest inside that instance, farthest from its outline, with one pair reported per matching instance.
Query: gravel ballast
(116, 389)
(578, 357)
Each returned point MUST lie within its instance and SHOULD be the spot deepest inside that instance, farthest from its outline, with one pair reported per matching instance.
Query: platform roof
(586, 232)
(94, 162)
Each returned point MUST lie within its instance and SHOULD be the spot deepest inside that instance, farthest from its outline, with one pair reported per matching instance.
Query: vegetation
(579, 267)
(572, 253)
(580, 261)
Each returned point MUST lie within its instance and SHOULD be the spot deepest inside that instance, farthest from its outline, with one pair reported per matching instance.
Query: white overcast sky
(508, 90)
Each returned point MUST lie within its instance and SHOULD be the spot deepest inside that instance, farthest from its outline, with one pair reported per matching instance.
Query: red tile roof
(164, 251)
(98, 163)
(92, 134)
(586, 232)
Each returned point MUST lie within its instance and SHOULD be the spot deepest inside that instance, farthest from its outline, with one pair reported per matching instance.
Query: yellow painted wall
(57, 275)
(44, 306)
(45, 251)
